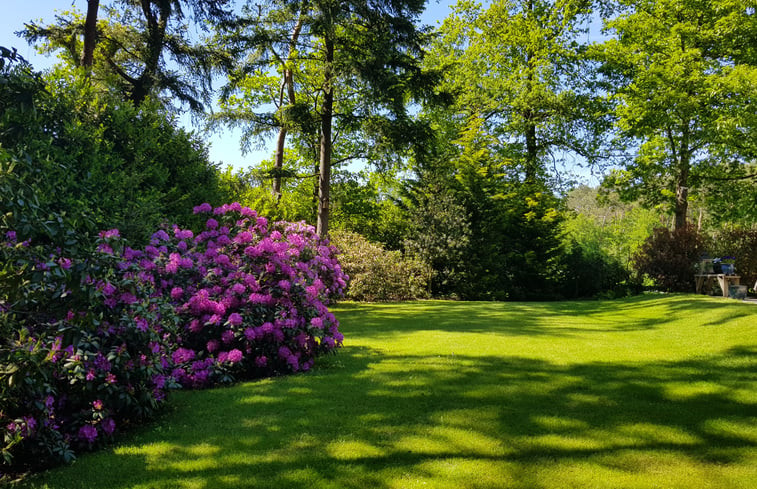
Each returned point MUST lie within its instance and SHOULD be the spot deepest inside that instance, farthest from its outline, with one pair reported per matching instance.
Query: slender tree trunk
(288, 83)
(90, 34)
(156, 35)
(324, 170)
(682, 192)
(682, 182)
(532, 150)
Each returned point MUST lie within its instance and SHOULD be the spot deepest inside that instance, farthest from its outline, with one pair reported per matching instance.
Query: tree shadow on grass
(370, 420)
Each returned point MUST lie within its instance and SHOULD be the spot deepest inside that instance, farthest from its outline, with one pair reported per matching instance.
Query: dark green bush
(98, 160)
(742, 244)
(590, 273)
(670, 258)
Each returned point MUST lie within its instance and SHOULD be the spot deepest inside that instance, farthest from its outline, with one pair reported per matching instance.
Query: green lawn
(649, 392)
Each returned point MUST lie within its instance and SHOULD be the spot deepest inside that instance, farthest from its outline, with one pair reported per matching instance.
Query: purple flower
(227, 336)
(108, 289)
(204, 207)
(211, 224)
(88, 433)
(212, 346)
(182, 355)
(176, 293)
(109, 426)
(235, 319)
(111, 233)
(250, 334)
(317, 322)
(64, 263)
(261, 361)
(11, 236)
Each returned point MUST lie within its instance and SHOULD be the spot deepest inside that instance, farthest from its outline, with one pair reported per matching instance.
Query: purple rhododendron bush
(92, 343)
(251, 297)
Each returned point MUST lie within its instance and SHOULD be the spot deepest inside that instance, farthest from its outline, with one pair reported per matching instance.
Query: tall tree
(521, 79)
(683, 76)
(353, 68)
(128, 51)
(90, 33)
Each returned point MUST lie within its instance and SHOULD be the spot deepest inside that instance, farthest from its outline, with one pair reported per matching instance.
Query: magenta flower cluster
(252, 296)
(116, 329)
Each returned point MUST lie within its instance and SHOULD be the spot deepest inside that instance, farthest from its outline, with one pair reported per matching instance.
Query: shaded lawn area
(648, 392)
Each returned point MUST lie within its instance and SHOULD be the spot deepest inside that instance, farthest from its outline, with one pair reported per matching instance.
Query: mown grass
(648, 392)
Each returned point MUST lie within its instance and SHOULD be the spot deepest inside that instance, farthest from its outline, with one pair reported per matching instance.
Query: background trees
(337, 74)
(682, 76)
(129, 49)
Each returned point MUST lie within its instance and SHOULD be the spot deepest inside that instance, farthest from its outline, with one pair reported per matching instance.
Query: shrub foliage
(376, 274)
(670, 258)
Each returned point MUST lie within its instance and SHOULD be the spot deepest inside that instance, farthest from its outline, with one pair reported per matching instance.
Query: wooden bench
(704, 281)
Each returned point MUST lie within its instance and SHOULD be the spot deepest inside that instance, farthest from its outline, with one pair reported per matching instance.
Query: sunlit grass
(653, 391)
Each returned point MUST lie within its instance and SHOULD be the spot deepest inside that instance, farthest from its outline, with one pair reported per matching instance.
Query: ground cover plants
(649, 391)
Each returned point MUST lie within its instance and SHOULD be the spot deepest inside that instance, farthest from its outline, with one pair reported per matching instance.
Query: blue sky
(224, 146)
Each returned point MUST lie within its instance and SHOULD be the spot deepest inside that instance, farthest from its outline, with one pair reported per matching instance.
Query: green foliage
(134, 41)
(94, 160)
(684, 94)
(531, 101)
(376, 274)
(670, 258)
(740, 243)
(586, 272)
(610, 227)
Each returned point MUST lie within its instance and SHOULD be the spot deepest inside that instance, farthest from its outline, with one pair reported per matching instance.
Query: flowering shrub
(83, 350)
(377, 274)
(91, 343)
(251, 297)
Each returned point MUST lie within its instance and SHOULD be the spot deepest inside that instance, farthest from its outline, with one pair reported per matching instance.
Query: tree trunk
(156, 36)
(532, 150)
(682, 193)
(90, 34)
(682, 183)
(324, 170)
(288, 83)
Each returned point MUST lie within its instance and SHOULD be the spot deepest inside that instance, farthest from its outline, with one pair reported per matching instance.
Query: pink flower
(176, 293)
(235, 356)
(212, 346)
(183, 355)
